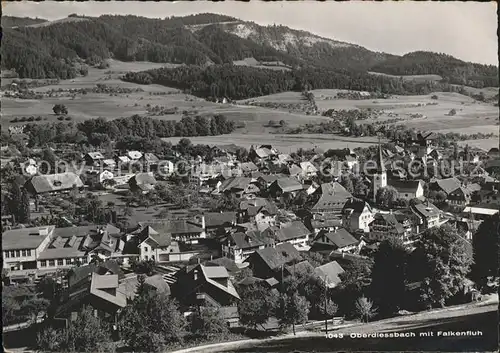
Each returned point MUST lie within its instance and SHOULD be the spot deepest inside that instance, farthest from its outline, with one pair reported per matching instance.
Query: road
(481, 317)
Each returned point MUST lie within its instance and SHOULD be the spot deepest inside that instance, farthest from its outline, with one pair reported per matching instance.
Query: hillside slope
(206, 39)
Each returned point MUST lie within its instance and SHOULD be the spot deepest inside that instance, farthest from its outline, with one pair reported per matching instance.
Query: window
(52, 263)
(60, 262)
(6, 254)
(23, 252)
(84, 260)
(28, 252)
(43, 263)
(18, 253)
(12, 253)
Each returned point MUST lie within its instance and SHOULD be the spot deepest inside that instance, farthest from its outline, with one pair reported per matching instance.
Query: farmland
(251, 120)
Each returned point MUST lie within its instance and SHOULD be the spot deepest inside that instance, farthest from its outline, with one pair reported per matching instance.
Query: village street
(472, 317)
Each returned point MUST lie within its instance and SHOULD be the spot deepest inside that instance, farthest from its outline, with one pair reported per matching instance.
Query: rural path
(432, 320)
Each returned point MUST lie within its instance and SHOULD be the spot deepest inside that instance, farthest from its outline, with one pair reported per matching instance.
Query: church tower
(380, 176)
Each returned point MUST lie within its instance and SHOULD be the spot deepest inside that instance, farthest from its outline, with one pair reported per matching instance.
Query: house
(357, 214)
(340, 240)
(248, 168)
(238, 246)
(294, 171)
(329, 198)
(350, 161)
(98, 178)
(149, 160)
(93, 158)
(152, 245)
(22, 247)
(447, 185)
(265, 180)
(260, 211)
(436, 155)
(108, 267)
(143, 182)
(101, 292)
(324, 223)
(428, 216)
(309, 170)
(188, 231)
(294, 233)
(283, 186)
(208, 286)
(109, 164)
(134, 155)
(270, 261)
(459, 196)
(239, 186)
(29, 167)
(53, 183)
(122, 161)
(330, 273)
(165, 168)
(214, 221)
(408, 189)
(128, 286)
(494, 153)
(385, 225)
(479, 213)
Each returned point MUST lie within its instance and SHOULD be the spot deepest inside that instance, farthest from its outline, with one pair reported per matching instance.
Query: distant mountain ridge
(205, 39)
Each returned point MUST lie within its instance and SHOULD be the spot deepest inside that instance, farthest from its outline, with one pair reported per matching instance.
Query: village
(202, 228)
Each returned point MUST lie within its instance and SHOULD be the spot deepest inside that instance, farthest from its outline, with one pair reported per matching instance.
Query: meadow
(252, 121)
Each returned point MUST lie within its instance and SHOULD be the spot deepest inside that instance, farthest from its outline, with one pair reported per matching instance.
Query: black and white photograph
(249, 177)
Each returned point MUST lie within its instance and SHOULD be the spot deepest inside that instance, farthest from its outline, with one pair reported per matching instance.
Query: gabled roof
(448, 185)
(95, 155)
(55, 182)
(332, 196)
(282, 254)
(98, 287)
(330, 272)
(143, 179)
(162, 240)
(294, 170)
(263, 152)
(288, 184)
(356, 205)
(173, 226)
(340, 238)
(212, 273)
(291, 231)
(250, 239)
(235, 183)
(25, 238)
(389, 219)
(134, 154)
(218, 219)
(249, 167)
(150, 157)
(405, 186)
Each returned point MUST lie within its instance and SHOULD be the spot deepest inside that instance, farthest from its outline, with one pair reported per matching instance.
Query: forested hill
(11, 21)
(202, 40)
(451, 69)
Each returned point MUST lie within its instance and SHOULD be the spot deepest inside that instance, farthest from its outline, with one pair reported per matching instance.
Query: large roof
(405, 186)
(250, 239)
(331, 272)
(332, 196)
(288, 184)
(173, 226)
(448, 185)
(291, 231)
(282, 254)
(341, 238)
(25, 238)
(238, 183)
(218, 219)
(426, 209)
(55, 182)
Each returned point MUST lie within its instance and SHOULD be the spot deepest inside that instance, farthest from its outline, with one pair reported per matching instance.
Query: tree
(443, 259)
(347, 183)
(48, 161)
(60, 109)
(33, 307)
(257, 304)
(355, 281)
(386, 196)
(365, 309)
(87, 333)
(208, 322)
(24, 208)
(292, 310)
(452, 112)
(49, 339)
(388, 292)
(10, 308)
(485, 247)
(143, 325)
(47, 287)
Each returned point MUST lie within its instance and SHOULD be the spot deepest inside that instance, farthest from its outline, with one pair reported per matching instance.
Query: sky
(466, 30)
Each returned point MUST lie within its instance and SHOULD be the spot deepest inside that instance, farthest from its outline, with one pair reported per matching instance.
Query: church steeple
(380, 177)
(380, 159)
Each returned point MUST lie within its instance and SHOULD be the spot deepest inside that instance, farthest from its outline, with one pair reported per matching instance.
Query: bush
(38, 118)
(31, 118)
(60, 118)
(434, 96)
(15, 120)
(67, 118)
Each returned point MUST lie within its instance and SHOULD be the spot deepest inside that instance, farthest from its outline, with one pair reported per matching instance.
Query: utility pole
(326, 317)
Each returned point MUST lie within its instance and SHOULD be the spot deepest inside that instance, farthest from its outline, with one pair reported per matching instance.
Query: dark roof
(389, 219)
(150, 157)
(325, 223)
(249, 167)
(238, 183)
(55, 182)
(173, 226)
(356, 205)
(291, 231)
(78, 273)
(405, 186)
(280, 255)
(143, 178)
(250, 239)
(332, 196)
(162, 239)
(218, 219)
(226, 262)
(341, 238)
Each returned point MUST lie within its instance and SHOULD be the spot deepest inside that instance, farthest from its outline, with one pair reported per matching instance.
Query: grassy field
(416, 78)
